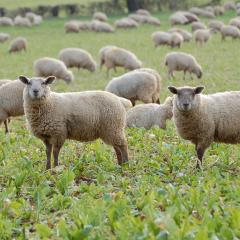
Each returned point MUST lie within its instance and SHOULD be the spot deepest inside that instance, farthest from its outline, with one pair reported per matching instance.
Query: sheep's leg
(170, 74)
(184, 75)
(122, 153)
(6, 126)
(48, 153)
(200, 153)
(133, 102)
(56, 150)
(158, 101)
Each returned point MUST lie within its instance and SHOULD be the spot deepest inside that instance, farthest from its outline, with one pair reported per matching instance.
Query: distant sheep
(82, 116)
(216, 25)
(202, 35)
(143, 12)
(100, 16)
(235, 22)
(34, 18)
(71, 27)
(149, 115)
(179, 61)
(230, 31)
(17, 45)
(126, 23)
(145, 19)
(102, 54)
(44, 67)
(178, 19)
(187, 36)
(6, 21)
(136, 85)
(202, 12)
(22, 22)
(4, 37)
(76, 57)
(99, 26)
(219, 10)
(229, 6)
(198, 25)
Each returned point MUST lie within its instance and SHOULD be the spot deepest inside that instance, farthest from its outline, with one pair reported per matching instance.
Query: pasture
(159, 194)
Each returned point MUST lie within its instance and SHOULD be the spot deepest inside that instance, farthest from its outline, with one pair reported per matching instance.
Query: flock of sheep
(85, 116)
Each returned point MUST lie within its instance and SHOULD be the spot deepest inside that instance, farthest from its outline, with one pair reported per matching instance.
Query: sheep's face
(186, 99)
(37, 88)
(198, 71)
(68, 77)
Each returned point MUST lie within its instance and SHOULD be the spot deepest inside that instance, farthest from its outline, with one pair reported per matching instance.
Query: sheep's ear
(24, 80)
(172, 89)
(198, 89)
(49, 80)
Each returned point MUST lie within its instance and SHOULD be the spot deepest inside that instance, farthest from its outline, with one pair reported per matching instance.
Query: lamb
(216, 25)
(71, 27)
(149, 115)
(6, 21)
(187, 36)
(4, 37)
(126, 23)
(119, 57)
(44, 67)
(204, 119)
(82, 116)
(179, 61)
(136, 85)
(11, 101)
(99, 26)
(18, 44)
(100, 16)
(77, 57)
(198, 25)
(22, 22)
(102, 54)
(202, 35)
(230, 31)
(143, 12)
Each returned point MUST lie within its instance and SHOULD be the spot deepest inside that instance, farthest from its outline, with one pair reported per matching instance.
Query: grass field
(159, 195)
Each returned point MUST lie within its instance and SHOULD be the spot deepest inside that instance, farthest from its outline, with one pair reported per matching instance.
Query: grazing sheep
(161, 38)
(149, 115)
(126, 23)
(77, 57)
(179, 61)
(119, 57)
(215, 25)
(143, 12)
(229, 6)
(202, 35)
(138, 18)
(176, 40)
(136, 85)
(22, 22)
(6, 21)
(4, 37)
(204, 119)
(235, 22)
(44, 67)
(11, 101)
(82, 116)
(178, 19)
(152, 20)
(202, 12)
(99, 26)
(187, 36)
(102, 54)
(34, 18)
(219, 10)
(17, 45)
(100, 16)
(83, 25)
(198, 25)
(71, 27)
(190, 16)
(230, 31)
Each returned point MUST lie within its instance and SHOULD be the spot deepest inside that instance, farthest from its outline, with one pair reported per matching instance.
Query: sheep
(4, 81)
(149, 115)
(71, 27)
(137, 17)
(204, 119)
(190, 16)
(100, 16)
(202, 12)
(119, 57)
(11, 101)
(77, 57)
(99, 26)
(34, 18)
(230, 31)
(102, 54)
(179, 61)
(22, 22)
(219, 10)
(18, 44)
(176, 40)
(235, 22)
(152, 20)
(215, 25)
(178, 19)
(229, 6)
(6, 21)
(83, 25)
(202, 35)
(82, 116)
(44, 67)
(4, 37)
(161, 38)
(136, 85)
(126, 23)
(198, 25)
(143, 12)
(187, 36)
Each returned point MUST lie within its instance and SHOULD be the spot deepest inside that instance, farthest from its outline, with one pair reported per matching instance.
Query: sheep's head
(198, 71)
(68, 77)
(186, 99)
(37, 88)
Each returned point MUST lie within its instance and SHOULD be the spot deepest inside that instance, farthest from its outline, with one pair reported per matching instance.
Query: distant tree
(133, 5)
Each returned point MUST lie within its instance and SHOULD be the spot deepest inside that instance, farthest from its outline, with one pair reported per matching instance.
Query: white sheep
(235, 22)
(229, 6)
(44, 67)
(17, 45)
(6, 21)
(120, 57)
(202, 35)
(102, 54)
(219, 10)
(230, 31)
(99, 26)
(100, 16)
(77, 57)
(179, 61)
(71, 27)
(136, 85)
(4, 81)
(216, 25)
(145, 19)
(82, 116)
(143, 12)
(190, 16)
(176, 40)
(126, 23)
(187, 36)
(22, 21)
(204, 119)
(178, 19)
(4, 37)
(11, 101)
(149, 115)
(198, 25)
(34, 18)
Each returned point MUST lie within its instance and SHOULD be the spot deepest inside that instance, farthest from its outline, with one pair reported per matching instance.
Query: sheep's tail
(125, 102)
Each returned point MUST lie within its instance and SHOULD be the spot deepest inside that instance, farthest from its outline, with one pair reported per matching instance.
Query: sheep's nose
(186, 105)
(35, 91)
